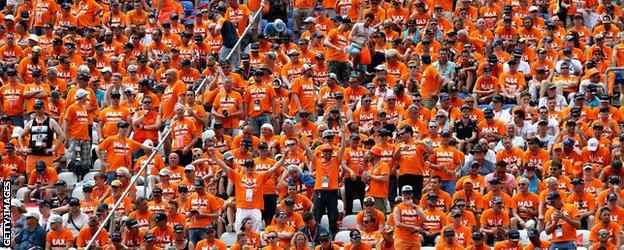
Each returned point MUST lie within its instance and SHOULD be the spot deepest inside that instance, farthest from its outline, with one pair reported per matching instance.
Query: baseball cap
(514, 235)
(553, 196)
(432, 196)
(532, 233)
(497, 200)
(116, 183)
(160, 217)
(328, 133)
(407, 188)
(592, 144)
(228, 156)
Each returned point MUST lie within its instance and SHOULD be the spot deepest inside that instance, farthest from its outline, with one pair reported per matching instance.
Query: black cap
(157, 191)
(132, 222)
(148, 237)
(578, 181)
(553, 196)
(249, 163)
(514, 234)
(432, 196)
(263, 145)
(478, 235)
(178, 228)
(60, 183)
(199, 183)
(115, 236)
(115, 95)
(160, 217)
(289, 201)
(74, 201)
(123, 124)
(614, 179)
(87, 188)
(611, 197)
(495, 181)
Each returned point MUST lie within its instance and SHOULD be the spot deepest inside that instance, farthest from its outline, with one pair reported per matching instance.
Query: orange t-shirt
(118, 151)
(205, 204)
(568, 232)
(229, 102)
(530, 200)
(407, 215)
(248, 193)
(205, 245)
(259, 99)
(448, 158)
(379, 189)
(110, 116)
(339, 39)
(430, 85)
(492, 220)
(85, 235)
(170, 97)
(78, 120)
(183, 131)
(326, 174)
(411, 159)
(306, 93)
(59, 239)
(12, 97)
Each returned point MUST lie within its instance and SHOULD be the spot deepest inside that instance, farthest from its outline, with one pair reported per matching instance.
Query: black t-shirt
(463, 130)
(229, 34)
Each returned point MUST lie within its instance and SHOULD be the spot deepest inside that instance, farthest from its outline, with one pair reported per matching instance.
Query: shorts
(242, 213)
(406, 244)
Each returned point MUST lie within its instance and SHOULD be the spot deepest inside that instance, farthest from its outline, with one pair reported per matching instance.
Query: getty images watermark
(6, 214)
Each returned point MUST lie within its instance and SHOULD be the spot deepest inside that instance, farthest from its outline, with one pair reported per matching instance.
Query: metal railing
(254, 19)
(165, 135)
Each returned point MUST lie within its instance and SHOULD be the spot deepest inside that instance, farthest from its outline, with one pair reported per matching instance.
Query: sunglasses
(271, 237)
(147, 102)
(367, 221)
(522, 184)
(291, 144)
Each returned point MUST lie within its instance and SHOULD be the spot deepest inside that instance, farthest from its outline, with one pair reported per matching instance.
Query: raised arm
(219, 162)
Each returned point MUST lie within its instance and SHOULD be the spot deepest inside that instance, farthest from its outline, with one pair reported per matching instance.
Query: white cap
(407, 188)
(129, 89)
(16, 203)
(84, 69)
(33, 37)
(267, 126)
(81, 93)
(9, 17)
(123, 171)
(533, 8)
(148, 143)
(309, 20)
(189, 167)
(381, 67)
(55, 218)
(208, 134)
(32, 214)
(165, 171)
(106, 69)
(442, 112)
(307, 66)
(592, 144)
(17, 131)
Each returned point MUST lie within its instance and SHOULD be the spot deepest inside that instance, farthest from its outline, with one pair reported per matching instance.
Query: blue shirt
(28, 238)
(316, 237)
(306, 180)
